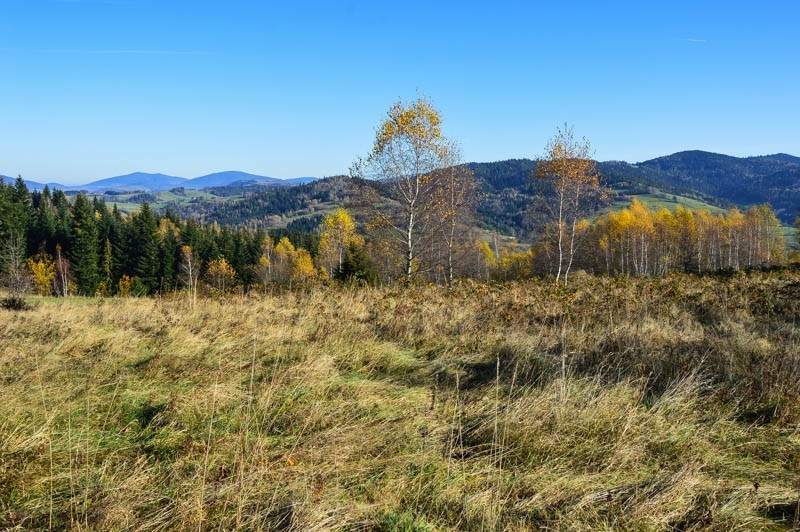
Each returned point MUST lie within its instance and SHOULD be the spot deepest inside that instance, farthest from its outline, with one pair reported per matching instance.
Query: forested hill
(689, 177)
(507, 190)
(268, 207)
(745, 181)
(713, 178)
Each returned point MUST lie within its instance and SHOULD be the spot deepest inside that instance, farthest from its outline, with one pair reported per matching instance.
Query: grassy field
(664, 200)
(640, 404)
(126, 202)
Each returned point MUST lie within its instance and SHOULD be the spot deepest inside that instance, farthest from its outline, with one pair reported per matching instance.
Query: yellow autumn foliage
(43, 271)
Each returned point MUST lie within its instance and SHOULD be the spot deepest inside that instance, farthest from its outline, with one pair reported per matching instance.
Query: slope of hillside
(269, 206)
(694, 179)
(506, 194)
(773, 179)
(508, 191)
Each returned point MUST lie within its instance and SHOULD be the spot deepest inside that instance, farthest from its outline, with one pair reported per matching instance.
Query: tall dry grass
(664, 404)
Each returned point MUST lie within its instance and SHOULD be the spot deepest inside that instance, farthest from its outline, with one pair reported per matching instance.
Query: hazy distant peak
(228, 177)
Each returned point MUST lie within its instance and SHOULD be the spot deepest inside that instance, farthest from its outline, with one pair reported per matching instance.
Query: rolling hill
(221, 179)
(691, 178)
(32, 185)
(135, 181)
(773, 179)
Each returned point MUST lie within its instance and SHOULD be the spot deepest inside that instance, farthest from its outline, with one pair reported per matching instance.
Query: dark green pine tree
(190, 234)
(107, 270)
(15, 209)
(63, 219)
(5, 211)
(121, 244)
(109, 227)
(251, 251)
(98, 204)
(238, 258)
(357, 267)
(83, 246)
(145, 248)
(44, 223)
(226, 244)
(207, 249)
(105, 222)
(168, 257)
(21, 198)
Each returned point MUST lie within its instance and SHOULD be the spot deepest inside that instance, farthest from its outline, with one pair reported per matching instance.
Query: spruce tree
(21, 198)
(5, 211)
(44, 223)
(145, 247)
(62, 219)
(226, 244)
(83, 246)
(106, 270)
(168, 257)
(356, 266)
(15, 209)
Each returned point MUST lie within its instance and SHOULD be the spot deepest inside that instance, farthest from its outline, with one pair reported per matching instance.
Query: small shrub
(14, 303)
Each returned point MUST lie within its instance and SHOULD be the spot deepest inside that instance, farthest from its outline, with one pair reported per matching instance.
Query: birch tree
(338, 233)
(406, 158)
(190, 268)
(454, 201)
(567, 167)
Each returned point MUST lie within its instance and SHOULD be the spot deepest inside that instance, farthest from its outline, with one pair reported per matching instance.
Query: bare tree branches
(13, 256)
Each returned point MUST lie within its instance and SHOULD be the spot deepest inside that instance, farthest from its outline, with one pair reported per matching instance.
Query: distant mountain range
(714, 178)
(158, 182)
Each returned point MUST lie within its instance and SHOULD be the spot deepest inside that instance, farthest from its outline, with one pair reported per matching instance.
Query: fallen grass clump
(657, 404)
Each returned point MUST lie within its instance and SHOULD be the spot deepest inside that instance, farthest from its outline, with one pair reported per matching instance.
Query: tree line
(412, 218)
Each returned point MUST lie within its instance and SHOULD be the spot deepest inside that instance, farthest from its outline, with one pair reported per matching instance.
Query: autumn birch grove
(642, 241)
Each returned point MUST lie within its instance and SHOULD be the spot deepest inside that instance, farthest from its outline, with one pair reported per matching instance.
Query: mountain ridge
(157, 182)
(773, 179)
(227, 177)
(138, 181)
(715, 178)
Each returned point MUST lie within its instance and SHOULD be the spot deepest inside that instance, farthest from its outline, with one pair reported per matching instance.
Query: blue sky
(94, 88)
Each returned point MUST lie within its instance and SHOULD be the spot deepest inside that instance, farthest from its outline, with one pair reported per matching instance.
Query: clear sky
(95, 88)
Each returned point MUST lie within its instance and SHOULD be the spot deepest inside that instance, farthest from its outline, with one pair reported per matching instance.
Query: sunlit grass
(628, 404)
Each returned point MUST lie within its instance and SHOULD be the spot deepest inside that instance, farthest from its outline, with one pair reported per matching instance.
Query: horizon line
(66, 184)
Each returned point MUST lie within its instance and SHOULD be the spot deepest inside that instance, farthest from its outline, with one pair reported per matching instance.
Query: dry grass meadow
(638, 404)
